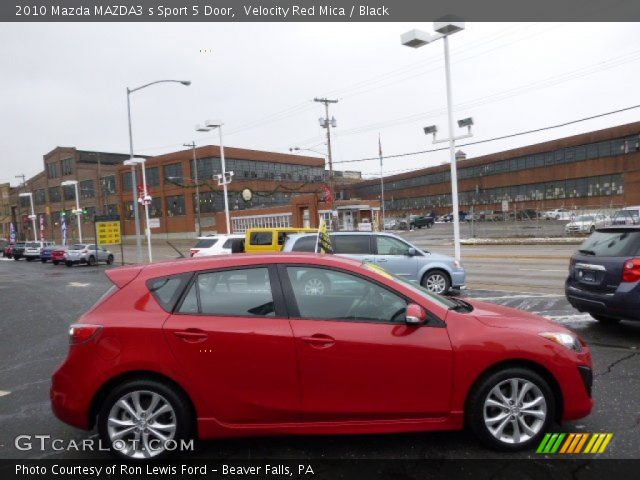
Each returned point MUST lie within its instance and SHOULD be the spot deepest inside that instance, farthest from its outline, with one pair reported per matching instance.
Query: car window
(353, 244)
(206, 243)
(324, 294)
(167, 290)
(261, 238)
(391, 246)
(305, 244)
(242, 292)
(612, 244)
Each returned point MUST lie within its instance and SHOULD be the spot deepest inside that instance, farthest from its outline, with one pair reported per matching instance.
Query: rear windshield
(77, 246)
(206, 243)
(614, 243)
(32, 245)
(306, 244)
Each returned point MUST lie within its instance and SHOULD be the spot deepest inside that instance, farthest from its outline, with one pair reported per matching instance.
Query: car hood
(500, 316)
(438, 256)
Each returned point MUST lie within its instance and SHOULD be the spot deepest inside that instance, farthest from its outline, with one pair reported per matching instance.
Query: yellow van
(261, 240)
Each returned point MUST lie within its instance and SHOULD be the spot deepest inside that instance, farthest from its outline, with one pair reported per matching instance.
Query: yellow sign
(108, 233)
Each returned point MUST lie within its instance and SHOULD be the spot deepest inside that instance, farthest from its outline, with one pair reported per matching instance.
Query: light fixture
(431, 129)
(415, 38)
(465, 122)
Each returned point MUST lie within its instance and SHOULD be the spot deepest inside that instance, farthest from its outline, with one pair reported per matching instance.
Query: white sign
(154, 223)
(505, 205)
(364, 227)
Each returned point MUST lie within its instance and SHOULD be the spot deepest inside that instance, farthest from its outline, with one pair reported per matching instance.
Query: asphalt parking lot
(40, 301)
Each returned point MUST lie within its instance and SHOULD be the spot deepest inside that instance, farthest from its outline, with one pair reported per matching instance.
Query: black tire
(429, 225)
(475, 407)
(55, 262)
(315, 284)
(182, 411)
(431, 276)
(69, 264)
(92, 261)
(28, 259)
(605, 320)
(16, 258)
(419, 227)
(43, 260)
(109, 259)
(592, 229)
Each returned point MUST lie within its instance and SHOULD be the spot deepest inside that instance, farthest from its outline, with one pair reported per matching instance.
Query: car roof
(215, 235)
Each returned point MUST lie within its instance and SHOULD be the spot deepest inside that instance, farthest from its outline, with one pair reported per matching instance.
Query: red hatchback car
(232, 346)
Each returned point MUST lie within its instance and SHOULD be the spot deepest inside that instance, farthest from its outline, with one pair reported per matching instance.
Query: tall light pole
(33, 214)
(195, 179)
(134, 183)
(77, 211)
(416, 39)
(145, 199)
(327, 123)
(225, 177)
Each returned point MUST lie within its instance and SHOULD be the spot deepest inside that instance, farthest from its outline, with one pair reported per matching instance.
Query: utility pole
(19, 222)
(328, 123)
(381, 181)
(195, 179)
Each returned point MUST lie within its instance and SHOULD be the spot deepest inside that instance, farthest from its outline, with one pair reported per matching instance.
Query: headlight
(564, 339)
(457, 264)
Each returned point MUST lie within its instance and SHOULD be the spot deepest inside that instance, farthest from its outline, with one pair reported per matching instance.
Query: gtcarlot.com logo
(574, 443)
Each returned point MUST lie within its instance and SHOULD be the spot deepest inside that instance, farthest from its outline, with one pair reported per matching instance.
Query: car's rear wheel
(605, 320)
(43, 260)
(436, 281)
(143, 419)
(28, 259)
(511, 409)
(69, 264)
(55, 262)
(109, 259)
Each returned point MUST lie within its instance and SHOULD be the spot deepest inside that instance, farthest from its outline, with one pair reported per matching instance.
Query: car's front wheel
(511, 409)
(109, 259)
(436, 281)
(143, 419)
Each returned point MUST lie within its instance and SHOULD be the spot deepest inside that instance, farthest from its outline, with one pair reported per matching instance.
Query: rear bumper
(624, 303)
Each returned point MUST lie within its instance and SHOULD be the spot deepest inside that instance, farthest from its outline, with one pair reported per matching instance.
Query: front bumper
(458, 279)
(624, 303)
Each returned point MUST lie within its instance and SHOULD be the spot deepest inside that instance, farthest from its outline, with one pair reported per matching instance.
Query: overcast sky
(64, 84)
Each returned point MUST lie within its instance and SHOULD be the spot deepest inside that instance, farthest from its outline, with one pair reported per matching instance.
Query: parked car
(627, 216)
(219, 244)
(58, 254)
(604, 275)
(419, 221)
(586, 224)
(32, 250)
(235, 345)
(436, 272)
(87, 253)
(490, 216)
(526, 214)
(558, 214)
(18, 250)
(265, 240)
(46, 254)
(7, 251)
(390, 223)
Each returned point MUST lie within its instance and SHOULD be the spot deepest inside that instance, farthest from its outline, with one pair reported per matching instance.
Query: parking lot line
(3, 393)
(543, 270)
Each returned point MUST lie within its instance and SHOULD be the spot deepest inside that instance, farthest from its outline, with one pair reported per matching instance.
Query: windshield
(442, 301)
(584, 218)
(32, 245)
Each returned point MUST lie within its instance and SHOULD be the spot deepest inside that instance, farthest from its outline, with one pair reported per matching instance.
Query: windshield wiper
(587, 252)
(460, 305)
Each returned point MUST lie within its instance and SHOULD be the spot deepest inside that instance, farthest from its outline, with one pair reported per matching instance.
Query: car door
(358, 359)
(232, 338)
(393, 255)
(356, 246)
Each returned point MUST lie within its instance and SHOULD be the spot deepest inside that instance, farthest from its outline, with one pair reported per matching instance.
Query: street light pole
(134, 183)
(77, 210)
(33, 214)
(195, 178)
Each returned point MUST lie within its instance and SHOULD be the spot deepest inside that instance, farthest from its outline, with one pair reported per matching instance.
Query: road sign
(108, 233)
(505, 205)
(154, 223)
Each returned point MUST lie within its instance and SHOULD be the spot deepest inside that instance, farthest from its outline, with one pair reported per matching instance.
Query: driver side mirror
(412, 252)
(416, 315)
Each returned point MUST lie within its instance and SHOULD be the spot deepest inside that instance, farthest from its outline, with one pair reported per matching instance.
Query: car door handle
(319, 340)
(192, 335)
(368, 259)
(381, 260)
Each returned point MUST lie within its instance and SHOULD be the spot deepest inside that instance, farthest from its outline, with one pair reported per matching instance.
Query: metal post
(381, 183)
(195, 177)
(134, 184)
(452, 154)
(78, 212)
(224, 181)
(33, 218)
(147, 230)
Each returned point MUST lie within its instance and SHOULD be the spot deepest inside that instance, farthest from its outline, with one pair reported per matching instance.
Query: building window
(175, 206)
(109, 185)
(153, 176)
(173, 173)
(126, 182)
(87, 189)
(40, 197)
(67, 166)
(91, 213)
(128, 210)
(52, 170)
(69, 192)
(54, 194)
(155, 208)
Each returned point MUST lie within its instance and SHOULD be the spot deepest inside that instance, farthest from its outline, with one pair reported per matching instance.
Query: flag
(380, 150)
(12, 233)
(323, 242)
(42, 228)
(63, 227)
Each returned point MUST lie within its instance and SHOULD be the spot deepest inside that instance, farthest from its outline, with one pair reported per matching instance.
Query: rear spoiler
(123, 275)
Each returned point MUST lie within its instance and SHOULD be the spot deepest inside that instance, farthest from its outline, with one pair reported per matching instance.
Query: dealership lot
(40, 301)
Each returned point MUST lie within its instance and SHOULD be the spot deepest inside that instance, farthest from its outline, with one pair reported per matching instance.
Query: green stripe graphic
(558, 443)
(543, 443)
(550, 443)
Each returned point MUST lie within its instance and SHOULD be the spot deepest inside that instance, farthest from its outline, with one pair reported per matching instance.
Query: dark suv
(604, 275)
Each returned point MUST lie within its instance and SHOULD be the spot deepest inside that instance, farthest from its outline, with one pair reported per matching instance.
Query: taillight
(86, 250)
(631, 270)
(82, 332)
(193, 252)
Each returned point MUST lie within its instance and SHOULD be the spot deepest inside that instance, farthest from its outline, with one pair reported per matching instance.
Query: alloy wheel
(515, 410)
(140, 423)
(314, 286)
(436, 283)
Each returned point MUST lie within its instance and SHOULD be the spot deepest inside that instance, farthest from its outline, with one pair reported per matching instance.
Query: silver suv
(437, 273)
(87, 253)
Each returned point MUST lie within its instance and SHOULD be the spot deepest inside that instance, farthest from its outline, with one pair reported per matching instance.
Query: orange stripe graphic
(584, 439)
(567, 443)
